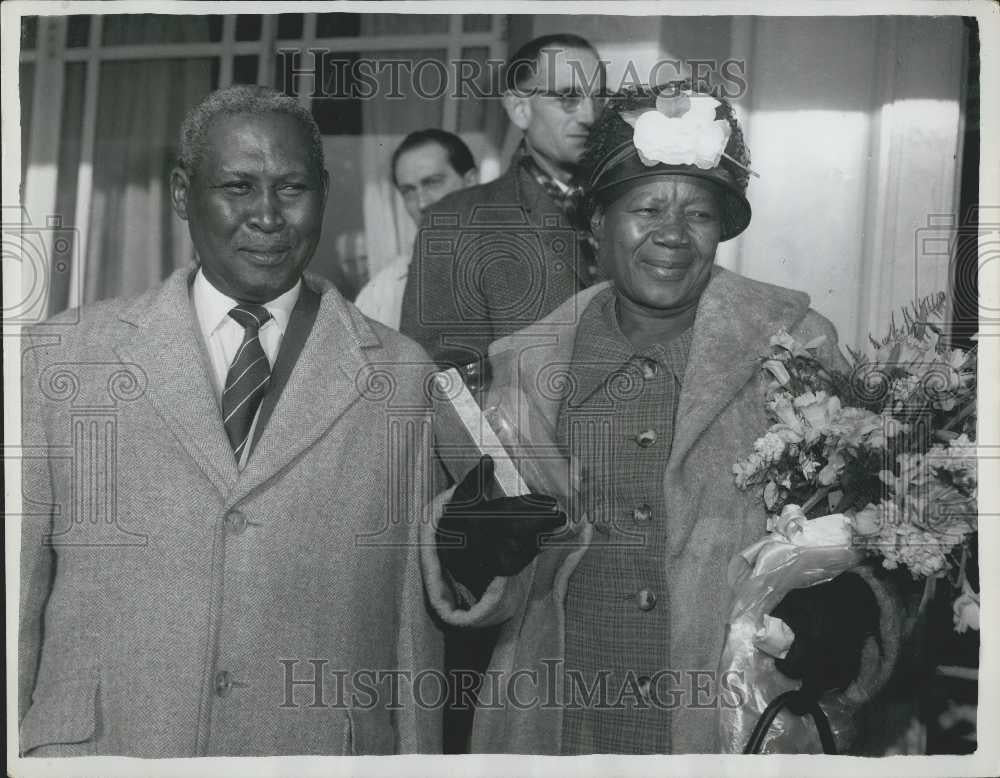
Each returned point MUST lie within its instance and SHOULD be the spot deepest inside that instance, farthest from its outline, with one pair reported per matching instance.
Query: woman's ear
(597, 222)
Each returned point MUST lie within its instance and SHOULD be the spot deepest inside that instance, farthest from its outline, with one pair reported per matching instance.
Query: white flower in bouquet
(785, 341)
(791, 427)
(817, 409)
(867, 521)
(965, 611)
(746, 469)
(771, 447)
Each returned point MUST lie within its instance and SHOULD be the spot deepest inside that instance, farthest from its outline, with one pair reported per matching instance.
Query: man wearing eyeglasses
(492, 259)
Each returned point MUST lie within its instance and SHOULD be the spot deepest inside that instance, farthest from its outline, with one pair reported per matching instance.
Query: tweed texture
(488, 261)
(720, 412)
(147, 572)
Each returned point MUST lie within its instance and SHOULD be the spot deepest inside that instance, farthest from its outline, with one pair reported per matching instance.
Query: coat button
(642, 513)
(646, 438)
(236, 522)
(649, 368)
(645, 599)
(645, 687)
(223, 683)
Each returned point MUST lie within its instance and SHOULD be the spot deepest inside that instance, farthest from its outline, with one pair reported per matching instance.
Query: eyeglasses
(570, 101)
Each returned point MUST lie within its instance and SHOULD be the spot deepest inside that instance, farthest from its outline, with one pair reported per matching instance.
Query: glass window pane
(476, 22)
(29, 32)
(77, 31)
(284, 63)
(404, 24)
(27, 89)
(338, 112)
(290, 26)
(245, 69)
(478, 83)
(248, 27)
(338, 25)
(135, 238)
(410, 96)
(214, 28)
(138, 29)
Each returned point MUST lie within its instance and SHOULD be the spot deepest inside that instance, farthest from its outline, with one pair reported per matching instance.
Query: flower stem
(822, 492)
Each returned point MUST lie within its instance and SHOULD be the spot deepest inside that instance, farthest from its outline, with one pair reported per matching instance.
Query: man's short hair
(243, 99)
(459, 156)
(524, 64)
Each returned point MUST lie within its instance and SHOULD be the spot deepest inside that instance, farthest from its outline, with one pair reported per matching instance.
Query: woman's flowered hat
(649, 131)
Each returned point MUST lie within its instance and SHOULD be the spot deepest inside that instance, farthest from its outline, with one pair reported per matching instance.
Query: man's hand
(831, 622)
(479, 540)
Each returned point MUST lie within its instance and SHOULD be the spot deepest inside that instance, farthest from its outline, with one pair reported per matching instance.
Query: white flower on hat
(681, 130)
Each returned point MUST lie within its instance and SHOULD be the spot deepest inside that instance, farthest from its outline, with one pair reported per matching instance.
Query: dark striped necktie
(247, 379)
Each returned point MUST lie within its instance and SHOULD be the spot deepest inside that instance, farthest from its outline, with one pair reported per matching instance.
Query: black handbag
(795, 700)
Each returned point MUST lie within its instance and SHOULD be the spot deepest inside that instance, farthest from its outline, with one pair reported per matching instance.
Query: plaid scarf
(570, 201)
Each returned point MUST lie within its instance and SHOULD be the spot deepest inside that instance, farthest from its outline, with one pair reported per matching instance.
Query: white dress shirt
(381, 298)
(223, 335)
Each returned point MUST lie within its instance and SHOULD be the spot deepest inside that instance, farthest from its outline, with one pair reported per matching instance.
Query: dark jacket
(487, 262)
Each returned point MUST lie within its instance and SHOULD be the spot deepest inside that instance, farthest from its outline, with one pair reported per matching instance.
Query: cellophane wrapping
(761, 576)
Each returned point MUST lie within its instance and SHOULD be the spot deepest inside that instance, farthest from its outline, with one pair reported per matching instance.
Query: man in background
(494, 258)
(426, 166)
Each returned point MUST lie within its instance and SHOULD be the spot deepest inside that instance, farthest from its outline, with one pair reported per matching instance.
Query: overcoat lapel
(164, 342)
(324, 382)
(300, 324)
(733, 326)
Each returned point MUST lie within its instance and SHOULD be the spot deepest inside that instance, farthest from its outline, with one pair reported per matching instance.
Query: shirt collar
(212, 306)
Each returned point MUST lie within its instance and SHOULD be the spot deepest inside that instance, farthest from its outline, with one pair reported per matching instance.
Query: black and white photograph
(595, 388)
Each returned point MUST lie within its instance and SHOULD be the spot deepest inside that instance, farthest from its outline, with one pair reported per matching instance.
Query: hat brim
(734, 207)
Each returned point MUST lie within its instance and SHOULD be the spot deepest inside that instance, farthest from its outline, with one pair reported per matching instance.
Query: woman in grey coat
(611, 636)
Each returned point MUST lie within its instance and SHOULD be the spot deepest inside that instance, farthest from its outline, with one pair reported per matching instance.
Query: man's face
(557, 115)
(658, 241)
(424, 175)
(254, 205)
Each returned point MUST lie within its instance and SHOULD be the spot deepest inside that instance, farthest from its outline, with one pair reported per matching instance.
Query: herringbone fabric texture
(248, 376)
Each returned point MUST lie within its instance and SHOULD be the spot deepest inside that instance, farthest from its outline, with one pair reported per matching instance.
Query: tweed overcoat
(172, 605)
(487, 262)
(720, 413)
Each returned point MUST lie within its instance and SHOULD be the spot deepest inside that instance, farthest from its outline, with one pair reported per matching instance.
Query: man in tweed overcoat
(181, 598)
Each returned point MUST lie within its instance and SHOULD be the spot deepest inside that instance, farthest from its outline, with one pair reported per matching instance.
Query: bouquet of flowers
(889, 442)
(872, 457)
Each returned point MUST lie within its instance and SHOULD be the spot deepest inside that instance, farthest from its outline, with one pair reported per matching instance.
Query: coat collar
(163, 340)
(735, 320)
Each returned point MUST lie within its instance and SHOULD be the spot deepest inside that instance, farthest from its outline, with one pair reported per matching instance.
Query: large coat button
(223, 683)
(645, 687)
(646, 438)
(645, 599)
(236, 522)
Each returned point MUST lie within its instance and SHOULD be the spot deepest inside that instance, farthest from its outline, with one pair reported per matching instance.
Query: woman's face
(658, 240)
